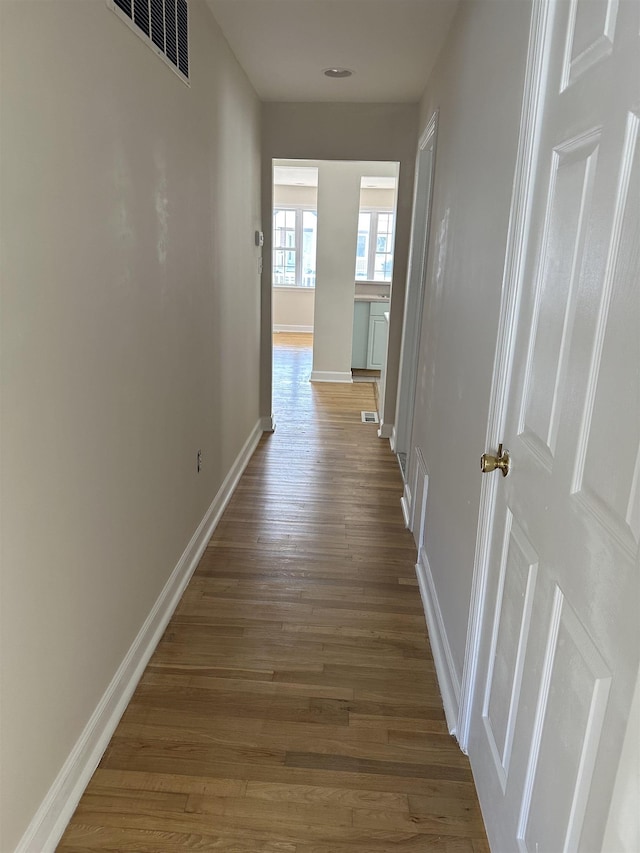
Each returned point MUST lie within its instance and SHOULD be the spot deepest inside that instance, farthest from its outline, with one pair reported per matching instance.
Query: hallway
(292, 704)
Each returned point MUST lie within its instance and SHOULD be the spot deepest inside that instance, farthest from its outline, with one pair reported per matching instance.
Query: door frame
(512, 286)
(413, 304)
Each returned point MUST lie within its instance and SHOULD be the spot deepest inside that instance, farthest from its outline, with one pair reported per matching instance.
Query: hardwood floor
(292, 704)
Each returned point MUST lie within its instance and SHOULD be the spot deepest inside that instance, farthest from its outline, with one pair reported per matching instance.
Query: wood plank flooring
(292, 704)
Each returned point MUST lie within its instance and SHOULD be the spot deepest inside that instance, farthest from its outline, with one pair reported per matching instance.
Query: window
(294, 247)
(164, 24)
(374, 252)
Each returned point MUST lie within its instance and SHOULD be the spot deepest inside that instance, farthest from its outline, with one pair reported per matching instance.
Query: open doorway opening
(374, 274)
(414, 303)
(333, 234)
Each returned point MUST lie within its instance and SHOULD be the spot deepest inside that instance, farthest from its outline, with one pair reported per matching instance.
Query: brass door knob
(489, 463)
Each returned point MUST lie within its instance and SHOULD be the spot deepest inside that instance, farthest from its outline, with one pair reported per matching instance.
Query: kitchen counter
(369, 297)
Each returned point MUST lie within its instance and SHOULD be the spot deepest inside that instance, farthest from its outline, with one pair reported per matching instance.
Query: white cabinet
(377, 339)
(360, 341)
(369, 344)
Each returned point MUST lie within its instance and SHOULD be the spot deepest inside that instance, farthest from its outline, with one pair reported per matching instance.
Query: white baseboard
(268, 424)
(283, 328)
(392, 439)
(385, 431)
(330, 376)
(445, 669)
(406, 512)
(50, 821)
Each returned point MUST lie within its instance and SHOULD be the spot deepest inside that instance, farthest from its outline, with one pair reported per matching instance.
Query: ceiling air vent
(163, 25)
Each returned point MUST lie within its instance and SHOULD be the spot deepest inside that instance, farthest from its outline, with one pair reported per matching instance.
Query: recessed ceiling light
(337, 72)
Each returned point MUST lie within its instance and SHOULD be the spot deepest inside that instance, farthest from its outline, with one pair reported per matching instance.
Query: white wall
(293, 309)
(338, 204)
(477, 85)
(382, 198)
(130, 338)
(320, 131)
(285, 194)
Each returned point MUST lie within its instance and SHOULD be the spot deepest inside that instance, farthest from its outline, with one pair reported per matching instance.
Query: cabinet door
(378, 308)
(360, 335)
(377, 348)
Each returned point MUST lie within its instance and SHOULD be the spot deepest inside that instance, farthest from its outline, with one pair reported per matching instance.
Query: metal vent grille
(369, 417)
(165, 23)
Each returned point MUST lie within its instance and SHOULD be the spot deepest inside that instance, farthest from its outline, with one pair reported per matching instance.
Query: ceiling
(284, 46)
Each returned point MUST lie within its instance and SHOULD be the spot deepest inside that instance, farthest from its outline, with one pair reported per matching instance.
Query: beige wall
(130, 338)
(293, 307)
(383, 199)
(317, 131)
(339, 200)
(284, 194)
(288, 194)
(477, 86)
(338, 203)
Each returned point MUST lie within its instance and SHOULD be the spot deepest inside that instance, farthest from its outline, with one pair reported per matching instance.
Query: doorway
(414, 302)
(332, 239)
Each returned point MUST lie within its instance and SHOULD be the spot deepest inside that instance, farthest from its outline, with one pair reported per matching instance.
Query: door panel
(377, 346)
(511, 624)
(590, 35)
(560, 638)
(614, 502)
(566, 733)
(572, 175)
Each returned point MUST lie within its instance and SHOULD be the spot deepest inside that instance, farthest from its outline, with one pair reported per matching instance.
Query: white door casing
(423, 192)
(554, 642)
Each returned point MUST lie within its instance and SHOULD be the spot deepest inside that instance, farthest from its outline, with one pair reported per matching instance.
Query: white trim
(429, 131)
(416, 286)
(442, 656)
(268, 424)
(55, 811)
(405, 505)
(420, 470)
(385, 430)
(538, 726)
(406, 501)
(392, 439)
(279, 327)
(519, 216)
(330, 376)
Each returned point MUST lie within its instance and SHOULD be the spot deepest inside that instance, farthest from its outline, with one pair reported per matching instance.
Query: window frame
(373, 241)
(299, 210)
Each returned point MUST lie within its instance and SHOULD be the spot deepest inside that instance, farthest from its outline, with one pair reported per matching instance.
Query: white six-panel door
(560, 641)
